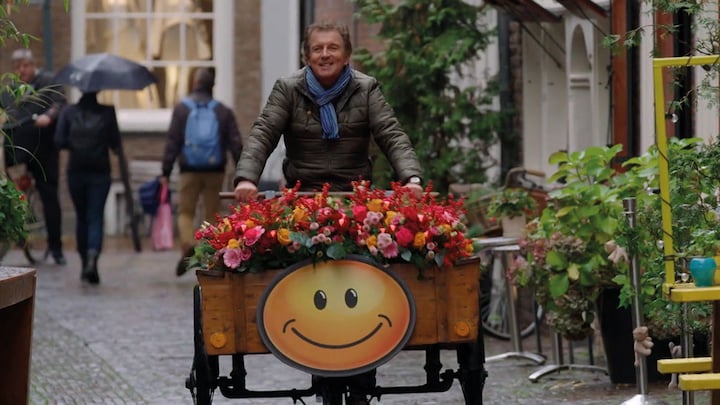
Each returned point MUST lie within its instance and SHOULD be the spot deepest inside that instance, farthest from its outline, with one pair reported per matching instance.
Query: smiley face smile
(342, 346)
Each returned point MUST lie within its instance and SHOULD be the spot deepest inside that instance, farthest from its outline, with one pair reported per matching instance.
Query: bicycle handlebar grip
(538, 173)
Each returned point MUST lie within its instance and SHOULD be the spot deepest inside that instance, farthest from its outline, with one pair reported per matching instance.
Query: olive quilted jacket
(363, 114)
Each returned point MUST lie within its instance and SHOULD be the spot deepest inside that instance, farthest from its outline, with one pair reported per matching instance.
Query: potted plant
(565, 260)
(512, 206)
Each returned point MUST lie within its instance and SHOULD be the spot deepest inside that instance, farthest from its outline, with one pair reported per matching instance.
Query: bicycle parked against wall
(33, 245)
(494, 297)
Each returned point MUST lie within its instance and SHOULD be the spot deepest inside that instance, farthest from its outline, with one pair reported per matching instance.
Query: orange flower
(299, 214)
(419, 240)
(375, 205)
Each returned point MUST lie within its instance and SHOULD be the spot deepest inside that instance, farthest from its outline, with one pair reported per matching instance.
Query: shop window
(170, 37)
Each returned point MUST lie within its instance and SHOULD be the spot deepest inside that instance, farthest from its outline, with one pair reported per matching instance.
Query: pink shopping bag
(162, 226)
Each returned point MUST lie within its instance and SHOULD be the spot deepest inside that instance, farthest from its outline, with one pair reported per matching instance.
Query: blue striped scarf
(324, 99)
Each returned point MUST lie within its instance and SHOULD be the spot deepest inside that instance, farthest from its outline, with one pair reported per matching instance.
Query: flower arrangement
(13, 211)
(385, 227)
(512, 202)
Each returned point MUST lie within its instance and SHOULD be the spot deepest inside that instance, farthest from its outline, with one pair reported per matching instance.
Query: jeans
(88, 191)
(45, 174)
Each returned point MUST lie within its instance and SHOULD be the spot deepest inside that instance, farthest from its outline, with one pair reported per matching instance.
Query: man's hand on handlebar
(416, 189)
(246, 191)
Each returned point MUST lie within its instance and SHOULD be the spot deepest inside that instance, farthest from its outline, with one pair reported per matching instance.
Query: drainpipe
(47, 35)
(508, 152)
(632, 15)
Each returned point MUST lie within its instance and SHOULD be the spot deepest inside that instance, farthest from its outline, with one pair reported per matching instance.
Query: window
(170, 37)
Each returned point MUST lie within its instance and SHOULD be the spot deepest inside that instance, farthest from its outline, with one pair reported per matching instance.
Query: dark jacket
(363, 115)
(27, 143)
(229, 135)
(108, 132)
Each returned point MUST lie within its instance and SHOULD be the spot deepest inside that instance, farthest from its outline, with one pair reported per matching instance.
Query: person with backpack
(29, 130)
(202, 131)
(89, 130)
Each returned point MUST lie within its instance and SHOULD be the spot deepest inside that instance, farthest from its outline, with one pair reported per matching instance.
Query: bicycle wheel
(34, 245)
(494, 308)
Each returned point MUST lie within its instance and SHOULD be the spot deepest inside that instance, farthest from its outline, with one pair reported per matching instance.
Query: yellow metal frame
(680, 294)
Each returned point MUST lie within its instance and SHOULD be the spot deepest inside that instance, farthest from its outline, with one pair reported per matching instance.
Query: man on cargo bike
(328, 114)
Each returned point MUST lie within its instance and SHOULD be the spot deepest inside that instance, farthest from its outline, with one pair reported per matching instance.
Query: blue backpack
(202, 149)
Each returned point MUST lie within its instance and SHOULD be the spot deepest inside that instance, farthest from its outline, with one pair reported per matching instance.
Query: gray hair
(22, 54)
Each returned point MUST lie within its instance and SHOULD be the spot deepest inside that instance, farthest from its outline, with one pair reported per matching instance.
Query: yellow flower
(469, 248)
(283, 236)
(389, 217)
(371, 241)
(250, 223)
(375, 205)
(233, 244)
(419, 240)
(299, 214)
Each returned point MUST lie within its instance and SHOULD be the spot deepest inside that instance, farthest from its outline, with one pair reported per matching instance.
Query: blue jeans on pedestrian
(88, 191)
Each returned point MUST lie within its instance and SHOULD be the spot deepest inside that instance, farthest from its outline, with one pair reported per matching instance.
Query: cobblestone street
(129, 341)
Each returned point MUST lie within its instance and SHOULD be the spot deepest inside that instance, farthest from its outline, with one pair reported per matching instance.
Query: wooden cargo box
(446, 300)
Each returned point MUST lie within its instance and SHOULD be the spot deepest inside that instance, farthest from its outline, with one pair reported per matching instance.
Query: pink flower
(404, 237)
(252, 235)
(384, 240)
(390, 250)
(359, 212)
(233, 257)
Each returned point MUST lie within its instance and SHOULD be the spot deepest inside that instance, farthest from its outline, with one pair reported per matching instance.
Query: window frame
(158, 120)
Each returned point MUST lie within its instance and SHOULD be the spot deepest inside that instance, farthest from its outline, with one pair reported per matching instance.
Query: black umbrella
(105, 71)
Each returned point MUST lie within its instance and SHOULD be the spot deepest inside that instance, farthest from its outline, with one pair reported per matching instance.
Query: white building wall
(565, 92)
(280, 39)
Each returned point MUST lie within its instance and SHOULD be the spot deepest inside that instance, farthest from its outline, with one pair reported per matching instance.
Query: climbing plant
(429, 46)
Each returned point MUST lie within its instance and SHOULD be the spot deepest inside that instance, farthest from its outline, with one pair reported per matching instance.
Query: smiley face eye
(320, 299)
(351, 298)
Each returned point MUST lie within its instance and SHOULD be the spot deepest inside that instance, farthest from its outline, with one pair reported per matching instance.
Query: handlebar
(273, 194)
(230, 195)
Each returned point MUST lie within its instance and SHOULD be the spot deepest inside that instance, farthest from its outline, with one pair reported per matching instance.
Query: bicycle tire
(494, 311)
(34, 245)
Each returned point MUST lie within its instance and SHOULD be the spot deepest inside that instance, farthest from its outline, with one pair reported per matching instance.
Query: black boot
(90, 272)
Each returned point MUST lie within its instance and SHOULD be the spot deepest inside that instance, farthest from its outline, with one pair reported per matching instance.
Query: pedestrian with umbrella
(88, 130)
(91, 180)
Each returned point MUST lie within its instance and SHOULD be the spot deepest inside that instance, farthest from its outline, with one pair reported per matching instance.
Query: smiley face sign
(336, 318)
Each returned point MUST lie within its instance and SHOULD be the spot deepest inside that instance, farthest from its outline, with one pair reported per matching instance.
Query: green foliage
(13, 210)
(706, 41)
(511, 202)
(693, 166)
(565, 248)
(427, 43)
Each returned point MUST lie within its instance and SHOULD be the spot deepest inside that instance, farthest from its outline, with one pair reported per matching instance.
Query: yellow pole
(661, 141)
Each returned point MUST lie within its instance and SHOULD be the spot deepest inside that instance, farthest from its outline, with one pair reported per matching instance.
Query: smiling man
(328, 113)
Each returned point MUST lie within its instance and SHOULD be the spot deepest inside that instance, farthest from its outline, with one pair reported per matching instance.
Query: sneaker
(182, 267)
